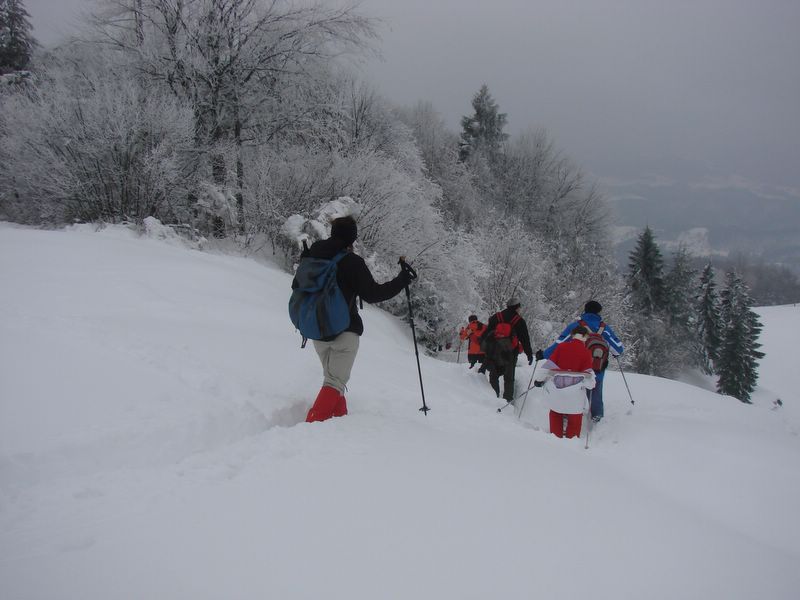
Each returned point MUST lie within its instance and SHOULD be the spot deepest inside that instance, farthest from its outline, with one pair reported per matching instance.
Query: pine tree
(679, 285)
(16, 42)
(737, 363)
(646, 275)
(649, 342)
(707, 339)
(484, 129)
(647, 297)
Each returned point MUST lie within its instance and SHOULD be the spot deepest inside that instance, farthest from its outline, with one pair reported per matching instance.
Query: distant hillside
(735, 219)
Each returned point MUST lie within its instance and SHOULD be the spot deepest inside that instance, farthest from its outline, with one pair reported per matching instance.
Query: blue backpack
(317, 306)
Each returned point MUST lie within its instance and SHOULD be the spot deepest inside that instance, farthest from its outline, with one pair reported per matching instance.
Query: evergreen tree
(651, 333)
(483, 131)
(679, 285)
(649, 341)
(16, 42)
(737, 363)
(707, 340)
(646, 275)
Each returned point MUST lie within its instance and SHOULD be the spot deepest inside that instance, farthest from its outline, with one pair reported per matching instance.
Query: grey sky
(622, 85)
(677, 88)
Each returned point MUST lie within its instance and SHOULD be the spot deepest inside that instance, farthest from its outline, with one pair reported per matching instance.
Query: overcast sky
(628, 88)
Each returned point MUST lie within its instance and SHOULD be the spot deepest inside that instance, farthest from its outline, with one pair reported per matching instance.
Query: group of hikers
(323, 307)
(573, 366)
(497, 344)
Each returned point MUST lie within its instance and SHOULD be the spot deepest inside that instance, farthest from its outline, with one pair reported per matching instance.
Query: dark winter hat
(513, 302)
(592, 306)
(344, 228)
(473, 318)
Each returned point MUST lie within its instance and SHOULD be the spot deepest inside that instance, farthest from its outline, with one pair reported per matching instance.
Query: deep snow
(152, 446)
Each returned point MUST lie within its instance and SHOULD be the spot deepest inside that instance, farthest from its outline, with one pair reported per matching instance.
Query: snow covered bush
(89, 144)
(299, 231)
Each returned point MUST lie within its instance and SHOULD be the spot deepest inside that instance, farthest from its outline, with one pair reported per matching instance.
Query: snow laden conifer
(679, 286)
(483, 130)
(16, 41)
(737, 363)
(646, 275)
(648, 300)
(707, 338)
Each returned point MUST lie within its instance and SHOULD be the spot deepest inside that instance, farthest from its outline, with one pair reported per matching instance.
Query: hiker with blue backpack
(323, 308)
(601, 341)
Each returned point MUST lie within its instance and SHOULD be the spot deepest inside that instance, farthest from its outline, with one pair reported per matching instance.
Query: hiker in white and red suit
(602, 341)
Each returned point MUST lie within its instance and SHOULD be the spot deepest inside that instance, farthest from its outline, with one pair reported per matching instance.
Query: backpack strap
(514, 320)
(356, 298)
(600, 329)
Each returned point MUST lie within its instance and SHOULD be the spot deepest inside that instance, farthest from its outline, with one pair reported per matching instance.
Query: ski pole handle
(412, 274)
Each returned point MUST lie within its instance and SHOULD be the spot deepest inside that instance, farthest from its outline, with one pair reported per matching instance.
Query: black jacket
(520, 329)
(354, 279)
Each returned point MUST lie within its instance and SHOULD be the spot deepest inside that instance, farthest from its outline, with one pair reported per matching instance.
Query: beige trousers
(337, 358)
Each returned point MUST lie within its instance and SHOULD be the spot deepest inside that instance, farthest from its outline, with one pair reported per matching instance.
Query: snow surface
(152, 446)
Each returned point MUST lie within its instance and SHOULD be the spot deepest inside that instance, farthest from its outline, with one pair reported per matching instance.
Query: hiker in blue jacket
(594, 323)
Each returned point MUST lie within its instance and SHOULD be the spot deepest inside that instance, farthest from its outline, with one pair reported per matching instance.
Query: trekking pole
(507, 404)
(530, 384)
(523, 393)
(412, 274)
(518, 396)
(588, 414)
(458, 356)
(619, 364)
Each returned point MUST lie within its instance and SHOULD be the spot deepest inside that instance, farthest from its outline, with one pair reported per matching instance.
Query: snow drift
(152, 445)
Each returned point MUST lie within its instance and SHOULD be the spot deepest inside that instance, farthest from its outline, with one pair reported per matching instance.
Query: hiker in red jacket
(473, 332)
(568, 373)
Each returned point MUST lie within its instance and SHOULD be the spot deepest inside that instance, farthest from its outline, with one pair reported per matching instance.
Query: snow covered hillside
(152, 445)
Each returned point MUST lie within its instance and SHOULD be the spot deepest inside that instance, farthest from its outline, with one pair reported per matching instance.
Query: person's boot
(341, 407)
(325, 405)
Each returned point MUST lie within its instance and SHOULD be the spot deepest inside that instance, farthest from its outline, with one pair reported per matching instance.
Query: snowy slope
(152, 446)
